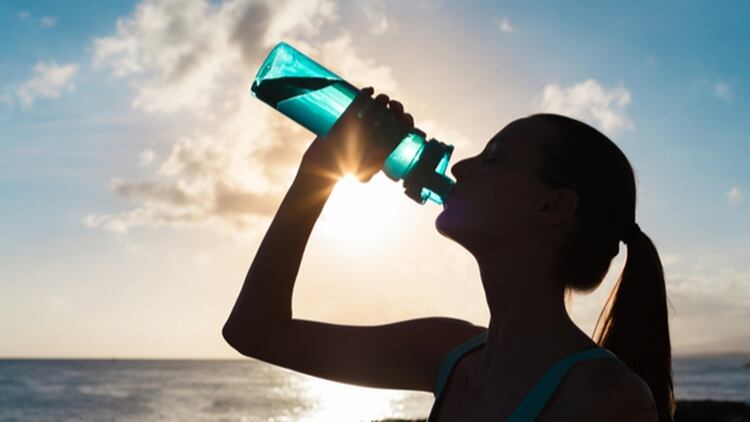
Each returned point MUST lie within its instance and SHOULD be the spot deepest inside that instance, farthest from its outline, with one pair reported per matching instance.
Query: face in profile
(497, 193)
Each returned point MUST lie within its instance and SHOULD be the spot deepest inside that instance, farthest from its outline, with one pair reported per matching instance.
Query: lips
(451, 194)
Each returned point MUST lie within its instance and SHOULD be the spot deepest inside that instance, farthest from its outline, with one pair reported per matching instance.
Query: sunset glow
(139, 174)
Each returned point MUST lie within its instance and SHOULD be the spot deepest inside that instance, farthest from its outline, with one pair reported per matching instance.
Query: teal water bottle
(315, 97)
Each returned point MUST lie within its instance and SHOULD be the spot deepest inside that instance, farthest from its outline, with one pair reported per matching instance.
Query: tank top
(540, 393)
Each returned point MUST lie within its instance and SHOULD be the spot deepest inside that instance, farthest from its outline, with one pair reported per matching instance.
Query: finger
(408, 120)
(368, 90)
(382, 99)
(396, 107)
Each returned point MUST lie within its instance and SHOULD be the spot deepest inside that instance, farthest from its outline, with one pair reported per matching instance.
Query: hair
(634, 321)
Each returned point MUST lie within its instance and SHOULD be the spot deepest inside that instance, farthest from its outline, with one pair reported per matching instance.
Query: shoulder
(436, 337)
(603, 389)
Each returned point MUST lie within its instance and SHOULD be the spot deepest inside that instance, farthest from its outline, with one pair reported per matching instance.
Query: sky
(138, 175)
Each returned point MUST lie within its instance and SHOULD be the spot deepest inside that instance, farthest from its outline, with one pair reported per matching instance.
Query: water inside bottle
(315, 103)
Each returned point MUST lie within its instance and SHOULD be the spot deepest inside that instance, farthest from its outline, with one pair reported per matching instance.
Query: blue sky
(115, 239)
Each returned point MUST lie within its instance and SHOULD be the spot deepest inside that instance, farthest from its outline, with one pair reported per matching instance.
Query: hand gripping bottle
(315, 97)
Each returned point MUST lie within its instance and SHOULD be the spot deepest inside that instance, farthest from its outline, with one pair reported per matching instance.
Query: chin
(451, 224)
(467, 229)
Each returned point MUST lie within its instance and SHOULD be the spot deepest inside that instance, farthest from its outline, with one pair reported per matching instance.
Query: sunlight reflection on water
(342, 402)
(143, 390)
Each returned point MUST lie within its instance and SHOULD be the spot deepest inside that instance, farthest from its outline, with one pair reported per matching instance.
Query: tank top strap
(537, 398)
(453, 356)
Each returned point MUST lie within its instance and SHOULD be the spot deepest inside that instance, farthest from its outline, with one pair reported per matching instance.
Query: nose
(460, 169)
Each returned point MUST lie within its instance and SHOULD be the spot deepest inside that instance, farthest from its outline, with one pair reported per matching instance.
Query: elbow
(246, 339)
(233, 338)
(251, 337)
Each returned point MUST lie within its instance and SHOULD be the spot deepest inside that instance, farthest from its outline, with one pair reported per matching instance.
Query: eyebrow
(493, 146)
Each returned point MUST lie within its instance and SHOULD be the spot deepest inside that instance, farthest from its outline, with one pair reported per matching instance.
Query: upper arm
(629, 402)
(401, 355)
(604, 390)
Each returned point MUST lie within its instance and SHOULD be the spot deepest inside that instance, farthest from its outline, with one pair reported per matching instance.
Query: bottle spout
(427, 180)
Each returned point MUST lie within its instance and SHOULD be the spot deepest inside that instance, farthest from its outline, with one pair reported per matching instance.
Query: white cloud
(47, 21)
(181, 52)
(48, 80)
(375, 14)
(711, 297)
(724, 92)
(43, 22)
(146, 157)
(588, 100)
(735, 195)
(504, 25)
(226, 170)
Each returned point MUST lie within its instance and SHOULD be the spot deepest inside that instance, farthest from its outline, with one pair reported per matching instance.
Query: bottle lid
(425, 180)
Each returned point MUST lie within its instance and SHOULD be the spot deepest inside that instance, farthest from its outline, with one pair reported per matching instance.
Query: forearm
(265, 300)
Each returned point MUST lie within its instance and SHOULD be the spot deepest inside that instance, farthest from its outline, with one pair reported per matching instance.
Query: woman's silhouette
(542, 209)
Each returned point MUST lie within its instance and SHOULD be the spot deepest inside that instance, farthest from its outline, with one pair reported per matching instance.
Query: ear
(558, 206)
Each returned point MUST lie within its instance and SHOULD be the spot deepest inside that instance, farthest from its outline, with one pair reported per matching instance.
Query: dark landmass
(687, 411)
(712, 411)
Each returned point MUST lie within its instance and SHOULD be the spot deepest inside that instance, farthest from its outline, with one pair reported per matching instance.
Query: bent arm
(404, 354)
(264, 304)
(401, 355)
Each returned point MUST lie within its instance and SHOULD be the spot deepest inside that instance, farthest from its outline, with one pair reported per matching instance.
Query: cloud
(504, 25)
(48, 80)
(375, 14)
(710, 294)
(47, 21)
(235, 155)
(588, 100)
(724, 92)
(43, 22)
(735, 195)
(183, 52)
(146, 157)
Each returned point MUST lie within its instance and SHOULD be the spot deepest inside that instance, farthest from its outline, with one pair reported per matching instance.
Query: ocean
(249, 390)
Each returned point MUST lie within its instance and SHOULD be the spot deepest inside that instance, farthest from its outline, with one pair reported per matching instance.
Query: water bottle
(315, 97)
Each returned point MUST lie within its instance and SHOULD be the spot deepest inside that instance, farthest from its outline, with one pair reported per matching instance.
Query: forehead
(516, 138)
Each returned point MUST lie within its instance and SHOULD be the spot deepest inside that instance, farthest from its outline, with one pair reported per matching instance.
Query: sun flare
(364, 217)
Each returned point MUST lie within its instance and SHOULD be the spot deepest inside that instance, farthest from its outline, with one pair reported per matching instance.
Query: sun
(363, 218)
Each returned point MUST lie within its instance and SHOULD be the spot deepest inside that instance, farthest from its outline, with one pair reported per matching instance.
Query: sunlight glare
(364, 217)
(344, 402)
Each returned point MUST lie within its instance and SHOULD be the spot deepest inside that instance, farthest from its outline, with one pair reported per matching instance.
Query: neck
(530, 327)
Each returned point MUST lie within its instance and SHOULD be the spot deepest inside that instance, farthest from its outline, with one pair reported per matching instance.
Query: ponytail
(633, 323)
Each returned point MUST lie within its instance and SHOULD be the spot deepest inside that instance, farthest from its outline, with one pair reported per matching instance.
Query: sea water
(253, 391)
